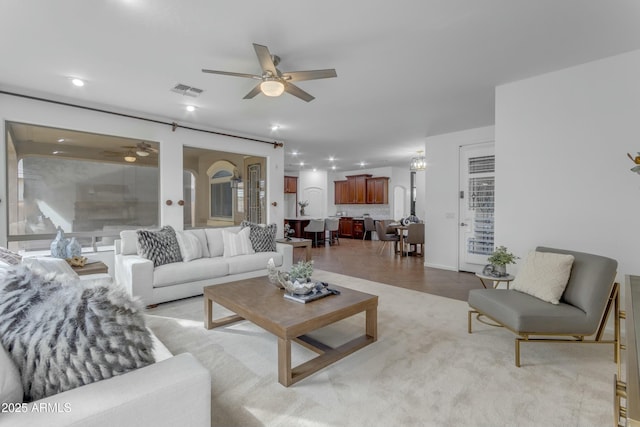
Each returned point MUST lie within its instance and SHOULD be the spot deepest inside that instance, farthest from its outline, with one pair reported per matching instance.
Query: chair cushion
(160, 246)
(544, 275)
(524, 313)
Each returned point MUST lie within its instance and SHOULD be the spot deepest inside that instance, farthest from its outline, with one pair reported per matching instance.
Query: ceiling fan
(273, 82)
(141, 149)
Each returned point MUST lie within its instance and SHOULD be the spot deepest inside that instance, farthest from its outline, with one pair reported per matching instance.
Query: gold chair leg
(469, 314)
(517, 352)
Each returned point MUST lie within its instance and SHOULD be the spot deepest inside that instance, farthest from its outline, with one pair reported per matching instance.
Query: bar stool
(332, 225)
(315, 226)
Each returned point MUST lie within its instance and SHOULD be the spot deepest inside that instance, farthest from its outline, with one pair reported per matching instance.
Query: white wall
(441, 194)
(562, 177)
(171, 143)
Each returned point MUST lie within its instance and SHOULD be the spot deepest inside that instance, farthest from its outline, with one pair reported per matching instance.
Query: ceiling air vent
(183, 89)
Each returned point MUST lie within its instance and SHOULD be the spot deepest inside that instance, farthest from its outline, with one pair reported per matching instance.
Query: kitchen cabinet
(346, 227)
(358, 188)
(358, 228)
(290, 184)
(378, 190)
(341, 195)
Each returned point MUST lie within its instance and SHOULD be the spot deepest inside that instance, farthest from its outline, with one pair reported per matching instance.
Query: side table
(297, 242)
(91, 267)
(495, 279)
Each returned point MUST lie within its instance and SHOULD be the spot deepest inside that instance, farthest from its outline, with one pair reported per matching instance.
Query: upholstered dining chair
(581, 310)
(315, 226)
(415, 237)
(369, 227)
(332, 225)
(386, 237)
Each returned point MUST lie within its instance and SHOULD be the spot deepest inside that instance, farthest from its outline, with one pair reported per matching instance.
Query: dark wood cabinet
(290, 184)
(358, 228)
(378, 190)
(341, 195)
(346, 227)
(358, 188)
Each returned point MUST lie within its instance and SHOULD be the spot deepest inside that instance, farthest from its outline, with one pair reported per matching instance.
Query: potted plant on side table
(499, 260)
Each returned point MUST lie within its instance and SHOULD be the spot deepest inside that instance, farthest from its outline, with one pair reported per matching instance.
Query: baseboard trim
(439, 266)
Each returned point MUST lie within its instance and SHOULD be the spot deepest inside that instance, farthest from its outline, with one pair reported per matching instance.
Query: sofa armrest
(287, 255)
(173, 392)
(135, 274)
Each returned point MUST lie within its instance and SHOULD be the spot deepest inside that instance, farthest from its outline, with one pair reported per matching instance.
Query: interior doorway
(476, 206)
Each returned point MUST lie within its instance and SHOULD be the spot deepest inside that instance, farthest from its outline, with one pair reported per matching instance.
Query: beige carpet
(424, 370)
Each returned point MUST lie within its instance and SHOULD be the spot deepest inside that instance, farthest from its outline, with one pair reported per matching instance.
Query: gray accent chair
(585, 305)
(386, 237)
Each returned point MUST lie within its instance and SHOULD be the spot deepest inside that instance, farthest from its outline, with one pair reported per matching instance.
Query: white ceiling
(406, 69)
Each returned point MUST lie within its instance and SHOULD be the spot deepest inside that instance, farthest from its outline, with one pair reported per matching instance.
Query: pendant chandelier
(418, 163)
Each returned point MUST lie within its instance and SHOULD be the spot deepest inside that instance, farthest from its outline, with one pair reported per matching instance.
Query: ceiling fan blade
(229, 73)
(298, 76)
(296, 91)
(256, 90)
(266, 61)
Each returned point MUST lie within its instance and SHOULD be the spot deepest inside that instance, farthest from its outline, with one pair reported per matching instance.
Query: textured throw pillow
(10, 384)
(189, 244)
(237, 243)
(160, 246)
(65, 334)
(9, 257)
(544, 275)
(262, 236)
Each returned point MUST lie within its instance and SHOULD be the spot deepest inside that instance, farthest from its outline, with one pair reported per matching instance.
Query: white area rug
(424, 370)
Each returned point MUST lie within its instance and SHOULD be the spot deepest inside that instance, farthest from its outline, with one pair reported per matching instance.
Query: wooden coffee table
(263, 304)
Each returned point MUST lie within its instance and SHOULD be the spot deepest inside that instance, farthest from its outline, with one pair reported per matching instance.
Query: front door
(477, 179)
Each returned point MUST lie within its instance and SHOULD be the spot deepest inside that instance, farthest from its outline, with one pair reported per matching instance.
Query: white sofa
(185, 279)
(173, 391)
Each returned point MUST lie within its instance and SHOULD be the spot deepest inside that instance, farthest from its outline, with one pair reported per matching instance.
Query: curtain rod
(174, 125)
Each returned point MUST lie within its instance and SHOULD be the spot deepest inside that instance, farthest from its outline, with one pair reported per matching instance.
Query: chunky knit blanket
(65, 333)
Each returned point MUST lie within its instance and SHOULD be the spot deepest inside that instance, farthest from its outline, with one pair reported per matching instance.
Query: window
(221, 196)
(78, 181)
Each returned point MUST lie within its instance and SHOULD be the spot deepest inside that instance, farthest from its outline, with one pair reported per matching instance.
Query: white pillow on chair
(544, 275)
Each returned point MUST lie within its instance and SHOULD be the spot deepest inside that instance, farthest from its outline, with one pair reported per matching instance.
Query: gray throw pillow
(262, 236)
(63, 334)
(159, 246)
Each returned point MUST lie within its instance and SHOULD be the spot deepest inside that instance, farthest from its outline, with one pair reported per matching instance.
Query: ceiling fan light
(142, 153)
(129, 157)
(272, 87)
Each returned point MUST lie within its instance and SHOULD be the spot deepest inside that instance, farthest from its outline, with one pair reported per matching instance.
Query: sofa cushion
(190, 247)
(99, 332)
(544, 275)
(129, 242)
(253, 262)
(262, 236)
(198, 269)
(160, 246)
(236, 244)
(214, 240)
(202, 238)
(10, 385)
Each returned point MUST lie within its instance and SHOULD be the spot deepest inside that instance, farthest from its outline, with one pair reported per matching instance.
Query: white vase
(74, 248)
(59, 245)
(500, 270)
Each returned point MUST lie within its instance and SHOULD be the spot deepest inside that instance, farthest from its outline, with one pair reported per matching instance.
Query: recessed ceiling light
(315, 170)
(294, 153)
(333, 167)
(275, 127)
(61, 140)
(77, 82)
(331, 159)
(301, 163)
(58, 152)
(191, 108)
(361, 164)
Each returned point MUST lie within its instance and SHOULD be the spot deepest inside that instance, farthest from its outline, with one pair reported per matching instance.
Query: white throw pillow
(189, 244)
(544, 275)
(237, 243)
(129, 242)
(10, 383)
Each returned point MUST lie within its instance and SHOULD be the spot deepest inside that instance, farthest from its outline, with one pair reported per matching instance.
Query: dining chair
(385, 237)
(415, 237)
(315, 226)
(369, 227)
(332, 225)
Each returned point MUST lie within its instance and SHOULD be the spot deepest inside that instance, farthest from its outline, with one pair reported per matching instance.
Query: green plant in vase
(500, 258)
(301, 271)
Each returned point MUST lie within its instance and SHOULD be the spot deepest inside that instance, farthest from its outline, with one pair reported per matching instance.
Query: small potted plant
(500, 258)
(303, 204)
(301, 271)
